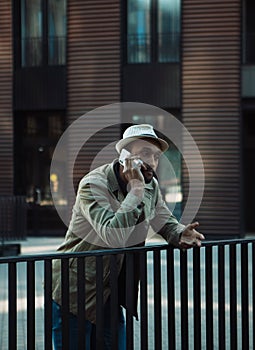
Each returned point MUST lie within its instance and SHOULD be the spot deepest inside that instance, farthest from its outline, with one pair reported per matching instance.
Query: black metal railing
(196, 299)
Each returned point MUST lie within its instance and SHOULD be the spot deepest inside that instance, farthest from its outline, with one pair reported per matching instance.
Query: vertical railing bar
(253, 292)
(12, 305)
(171, 299)
(143, 300)
(157, 300)
(81, 302)
(130, 300)
(209, 298)
(31, 305)
(245, 296)
(99, 304)
(184, 300)
(65, 302)
(197, 298)
(221, 297)
(114, 301)
(48, 304)
(233, 297)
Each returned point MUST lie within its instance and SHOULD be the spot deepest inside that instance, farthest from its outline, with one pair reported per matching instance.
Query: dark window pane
(138, 31)
(249, 36)
(168, 30)
(31, 32)
(57, 32)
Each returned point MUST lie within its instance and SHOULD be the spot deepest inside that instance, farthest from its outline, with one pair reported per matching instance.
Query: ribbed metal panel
(211, 108)
(6, 121)
(93, 74)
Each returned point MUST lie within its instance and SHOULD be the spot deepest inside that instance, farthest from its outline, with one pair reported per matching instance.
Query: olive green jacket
(104, 218)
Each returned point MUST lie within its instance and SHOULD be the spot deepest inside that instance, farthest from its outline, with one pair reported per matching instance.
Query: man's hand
(190, 237)
(134, 177)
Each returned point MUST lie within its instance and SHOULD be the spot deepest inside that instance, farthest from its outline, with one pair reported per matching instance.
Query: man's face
(149, 154)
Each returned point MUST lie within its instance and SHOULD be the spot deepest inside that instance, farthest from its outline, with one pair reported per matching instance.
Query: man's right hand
(134, 177)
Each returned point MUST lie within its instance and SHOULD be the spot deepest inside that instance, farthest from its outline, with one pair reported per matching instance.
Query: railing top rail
(114, 251)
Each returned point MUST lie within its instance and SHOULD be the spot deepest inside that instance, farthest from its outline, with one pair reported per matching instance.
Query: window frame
(154, 36)
(17, 42)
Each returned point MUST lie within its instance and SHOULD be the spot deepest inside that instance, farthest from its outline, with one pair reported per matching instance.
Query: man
(115, 206)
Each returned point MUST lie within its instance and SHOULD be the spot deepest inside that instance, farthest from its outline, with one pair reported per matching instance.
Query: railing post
(31, 305)
(130, 299)
(81, 316)
(233, 297)
(65, 302)
(197, 298)
(253, 291)
(12, 304)
(157, 300)
(143, 301)
(99, 304)
(184, 301)
(209, 298)
(245, 296)
(48, 304)
(221, 297)
(114, 307)
(171, 298)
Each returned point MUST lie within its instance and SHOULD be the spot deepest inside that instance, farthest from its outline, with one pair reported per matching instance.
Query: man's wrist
(136, 187)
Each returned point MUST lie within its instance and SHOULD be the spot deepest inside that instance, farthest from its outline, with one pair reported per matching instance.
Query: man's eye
(145, 154)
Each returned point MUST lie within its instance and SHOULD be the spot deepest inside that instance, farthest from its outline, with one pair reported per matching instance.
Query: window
(249, 32)
(36, 135)
(138, 31)
(56, 31)
(31, 32)
(153, 31)
(42, 32)
(168, 30)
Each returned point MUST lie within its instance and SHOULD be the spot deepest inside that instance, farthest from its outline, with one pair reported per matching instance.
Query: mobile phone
(124, 154)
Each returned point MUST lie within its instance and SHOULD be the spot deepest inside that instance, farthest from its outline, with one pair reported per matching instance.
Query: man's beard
(148, 174)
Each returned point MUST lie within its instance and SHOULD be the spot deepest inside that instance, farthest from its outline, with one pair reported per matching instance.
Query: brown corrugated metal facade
(6, 113)
(93, 72)
(208, 95)
(211, 107)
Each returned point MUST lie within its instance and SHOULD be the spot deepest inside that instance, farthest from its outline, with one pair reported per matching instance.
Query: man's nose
(152, 162)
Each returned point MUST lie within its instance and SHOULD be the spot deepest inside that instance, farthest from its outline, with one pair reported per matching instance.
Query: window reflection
(139, 31)
(43, 32)
(31, 32)
(153, 31)
(37, 136)
(56, 32)
(168, 30)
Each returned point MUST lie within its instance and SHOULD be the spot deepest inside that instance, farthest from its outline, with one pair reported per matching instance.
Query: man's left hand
(190, 237)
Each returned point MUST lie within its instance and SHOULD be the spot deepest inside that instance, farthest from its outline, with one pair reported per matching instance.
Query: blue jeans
(89, 329)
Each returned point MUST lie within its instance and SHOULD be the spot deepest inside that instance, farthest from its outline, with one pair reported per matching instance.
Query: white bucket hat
(142, 131)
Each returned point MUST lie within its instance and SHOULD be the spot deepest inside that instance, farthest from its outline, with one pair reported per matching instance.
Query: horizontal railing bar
(103, 252)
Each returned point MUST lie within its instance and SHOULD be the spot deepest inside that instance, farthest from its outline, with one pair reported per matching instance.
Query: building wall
(93, 74)
(211, 108)
(6, 120)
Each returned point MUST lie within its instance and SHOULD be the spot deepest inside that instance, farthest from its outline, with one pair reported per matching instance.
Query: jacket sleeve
(165, 223)
(113, 221)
